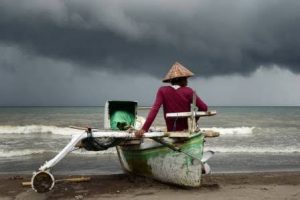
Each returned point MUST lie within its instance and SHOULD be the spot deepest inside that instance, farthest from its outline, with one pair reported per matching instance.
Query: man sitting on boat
(175, 98)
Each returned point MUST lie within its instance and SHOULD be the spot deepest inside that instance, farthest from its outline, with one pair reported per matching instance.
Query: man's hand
(139, 133)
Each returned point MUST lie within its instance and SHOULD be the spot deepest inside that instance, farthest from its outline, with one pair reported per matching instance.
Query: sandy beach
(270, 185)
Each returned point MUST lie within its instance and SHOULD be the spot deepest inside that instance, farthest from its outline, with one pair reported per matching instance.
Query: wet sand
(270, 185)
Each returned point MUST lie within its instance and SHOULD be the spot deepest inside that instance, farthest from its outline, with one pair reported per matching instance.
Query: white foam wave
(18, 153)
(254, 149)
(30, 129)
(28, 152)
(241, 131)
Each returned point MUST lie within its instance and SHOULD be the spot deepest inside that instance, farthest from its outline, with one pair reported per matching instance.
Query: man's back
(174, 100)
(178, 100)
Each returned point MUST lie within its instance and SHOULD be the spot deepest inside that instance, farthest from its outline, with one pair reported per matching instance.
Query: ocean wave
(241, 131)
(254, 149)
(29, 152)
(65, 131)
(31, 129)
(18, 153)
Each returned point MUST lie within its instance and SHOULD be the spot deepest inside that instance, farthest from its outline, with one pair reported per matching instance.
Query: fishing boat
(172, 157)
(166, 164)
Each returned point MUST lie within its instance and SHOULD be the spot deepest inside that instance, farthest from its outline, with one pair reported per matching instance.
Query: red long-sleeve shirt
(173, 100)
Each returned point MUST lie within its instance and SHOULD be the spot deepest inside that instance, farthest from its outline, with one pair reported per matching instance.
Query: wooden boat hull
(164, 164)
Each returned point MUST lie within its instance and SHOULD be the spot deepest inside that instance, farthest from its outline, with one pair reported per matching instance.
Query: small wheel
(42, 181)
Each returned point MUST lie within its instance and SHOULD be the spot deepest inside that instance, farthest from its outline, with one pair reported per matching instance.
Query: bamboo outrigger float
(171, 157)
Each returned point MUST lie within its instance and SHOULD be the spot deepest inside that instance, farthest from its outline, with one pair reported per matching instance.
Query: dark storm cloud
(210, 37)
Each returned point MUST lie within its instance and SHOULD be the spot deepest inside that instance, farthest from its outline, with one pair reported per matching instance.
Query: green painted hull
(164, 164)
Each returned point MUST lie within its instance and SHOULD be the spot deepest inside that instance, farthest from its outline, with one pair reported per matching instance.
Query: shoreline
(257, 185)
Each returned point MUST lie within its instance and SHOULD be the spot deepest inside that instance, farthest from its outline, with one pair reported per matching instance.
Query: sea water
(251, 139)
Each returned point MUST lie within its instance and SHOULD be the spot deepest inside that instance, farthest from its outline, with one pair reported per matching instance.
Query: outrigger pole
(43, 181)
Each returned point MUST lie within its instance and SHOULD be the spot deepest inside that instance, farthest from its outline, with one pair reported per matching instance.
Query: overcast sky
(74, 52)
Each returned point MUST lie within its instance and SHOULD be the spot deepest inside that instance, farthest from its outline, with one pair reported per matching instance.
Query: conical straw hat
(176, 71)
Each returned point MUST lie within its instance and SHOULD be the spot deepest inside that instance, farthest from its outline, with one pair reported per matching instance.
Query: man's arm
(154, 110)
(152, 114)
(200, 104)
